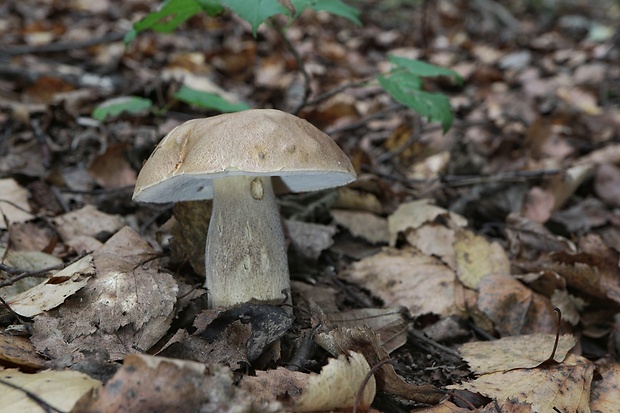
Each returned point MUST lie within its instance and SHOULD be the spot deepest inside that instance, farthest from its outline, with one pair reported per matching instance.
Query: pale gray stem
(245, 257)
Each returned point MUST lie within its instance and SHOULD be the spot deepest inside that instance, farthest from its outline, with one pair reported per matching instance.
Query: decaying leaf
(605, 392)
(166, 385)
(111, 169)
(413, 214)
(335, 387)
(13, 203)
(363, 340)
(308, 238)
(127, 305)
(476, 257)
(517, 352)
(53, 292)
(87, 221)
(514, 308)
(59, 389)
(564, 387)
(365, 225)
(407, 278)
(389, 323)
(19, 351)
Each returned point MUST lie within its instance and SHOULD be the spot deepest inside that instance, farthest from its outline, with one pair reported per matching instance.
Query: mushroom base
(245, 258)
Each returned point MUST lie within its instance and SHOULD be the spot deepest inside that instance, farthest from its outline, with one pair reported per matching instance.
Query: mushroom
(231, 158)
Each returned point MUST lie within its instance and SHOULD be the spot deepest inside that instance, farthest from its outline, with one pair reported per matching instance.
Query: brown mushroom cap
(261, 142)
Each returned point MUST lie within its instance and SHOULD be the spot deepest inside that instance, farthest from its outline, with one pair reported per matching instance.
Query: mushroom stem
(245, 258)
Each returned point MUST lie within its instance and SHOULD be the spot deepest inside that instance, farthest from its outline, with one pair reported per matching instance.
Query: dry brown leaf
(365, 225)
(412, 215)
(513, 307)
(335, 387)
(389, 323)
(112, 169)
(607, 184)
(591, 274)
(342, 340)
(128, 304)
(407, 278)
(87, 221)
(59, 389)
(17, 350)
(565, 387)
(308, 238)
(13, 203)
(605, 395)
(434, 239)
(476, 258)
(25, 261)
(352, 199)
(166, 385)
(443, 407)
(515, 352)
(53, 292)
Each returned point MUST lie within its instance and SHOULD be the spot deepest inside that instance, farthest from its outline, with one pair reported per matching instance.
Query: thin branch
(61, 46)
(301, 67)
(38, 400)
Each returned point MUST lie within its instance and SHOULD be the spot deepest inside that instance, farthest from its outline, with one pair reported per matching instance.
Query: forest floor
(472, 270)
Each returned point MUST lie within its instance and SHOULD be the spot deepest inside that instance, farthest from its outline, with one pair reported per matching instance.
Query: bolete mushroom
(231, 159)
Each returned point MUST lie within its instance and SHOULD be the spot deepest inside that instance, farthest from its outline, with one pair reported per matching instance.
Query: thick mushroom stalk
(245, 256)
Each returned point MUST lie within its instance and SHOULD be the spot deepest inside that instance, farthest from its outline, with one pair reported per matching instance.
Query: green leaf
(336, 7)
(423, 69)
(405, 88)
(116, 106)
(255, 12)
(211, 7)
(170, 15)
(208, 100)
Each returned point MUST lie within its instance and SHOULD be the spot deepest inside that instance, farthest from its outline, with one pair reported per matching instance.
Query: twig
(464, 180)
(423, 338)
(413, 137)
(301, 67)
(362, 122)
(61, 46)
(38, 273)
(324, 96)
(371, 372)
(42, 403)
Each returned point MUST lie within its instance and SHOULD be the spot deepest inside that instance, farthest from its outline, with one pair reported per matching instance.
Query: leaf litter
(511, 213)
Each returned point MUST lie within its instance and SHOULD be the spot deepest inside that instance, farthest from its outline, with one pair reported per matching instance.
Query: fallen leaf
(407, 278)
(342, 340)
(17, 350)
(606, 392)
(335, 387)
(513, 307)
(13, 203)
(111, 169)
(87, 221)
(389, 323)
(515, 352)
(53, 292)
(564, 387)
(365, 225)
(59, 389)
(412, 215)
(308, 238)
(128, 304)
(166, 385)
(476, 258)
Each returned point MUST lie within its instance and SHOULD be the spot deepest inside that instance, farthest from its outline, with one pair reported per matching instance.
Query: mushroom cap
(257, 142)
